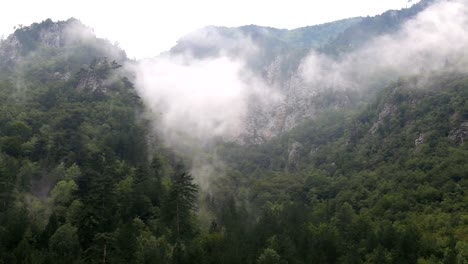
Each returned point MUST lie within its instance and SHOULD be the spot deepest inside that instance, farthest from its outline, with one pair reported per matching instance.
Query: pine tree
(182, 199)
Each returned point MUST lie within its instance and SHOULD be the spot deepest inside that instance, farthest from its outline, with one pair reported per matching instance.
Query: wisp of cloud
(436, 39)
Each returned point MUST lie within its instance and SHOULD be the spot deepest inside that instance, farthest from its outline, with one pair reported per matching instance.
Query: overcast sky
(145, 28)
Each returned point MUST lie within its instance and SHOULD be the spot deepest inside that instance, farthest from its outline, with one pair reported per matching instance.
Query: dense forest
(84, 178)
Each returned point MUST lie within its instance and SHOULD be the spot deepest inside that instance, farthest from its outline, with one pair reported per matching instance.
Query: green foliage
(269, 256)
(74, 169)
(181, 201)
(64, 245)
(359, 195)
(62, 193)
(383, 183)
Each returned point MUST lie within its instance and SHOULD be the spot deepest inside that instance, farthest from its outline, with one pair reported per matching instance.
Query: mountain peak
(49, 38)
(50, 34)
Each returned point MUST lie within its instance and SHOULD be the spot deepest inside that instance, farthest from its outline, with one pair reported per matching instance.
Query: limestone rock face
(419, 140)
(89, 80)
(92, 78)
(389, 110)
(460, 134)
(295, 152)
(9, 51)
(51, 36)
(295, 100)
(26, 41)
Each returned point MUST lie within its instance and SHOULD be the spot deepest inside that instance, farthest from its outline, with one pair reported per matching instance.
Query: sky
(145, 28)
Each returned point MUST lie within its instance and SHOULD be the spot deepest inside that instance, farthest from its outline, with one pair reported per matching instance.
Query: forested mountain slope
(384, 184)
(359, 34)
(78, 180)
(375, 175)
(311, 69)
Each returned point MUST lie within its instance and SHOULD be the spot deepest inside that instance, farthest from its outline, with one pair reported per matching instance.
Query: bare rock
(419, 140)
(389, 110)
(460, 134)
(89, 80)
(295, 152)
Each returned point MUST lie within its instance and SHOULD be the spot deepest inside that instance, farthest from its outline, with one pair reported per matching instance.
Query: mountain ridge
(374, 174)
(277, 55)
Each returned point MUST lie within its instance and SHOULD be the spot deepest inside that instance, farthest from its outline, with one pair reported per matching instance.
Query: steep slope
(346, 174)
(69, 41)
(81, 180)
(311, 68)
(357, 35)
(385, 184)
(215, 41)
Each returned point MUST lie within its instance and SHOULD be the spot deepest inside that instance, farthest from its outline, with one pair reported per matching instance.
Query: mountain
(280, 58)
(67, 37)
(273, 44)
(334, 37)
(367, 28)
(371, 186)
(363, 160)
(70, 135)
(213, 41)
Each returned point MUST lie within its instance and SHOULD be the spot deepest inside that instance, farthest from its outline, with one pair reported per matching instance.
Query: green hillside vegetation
(83, 180)
(360, 33)
(290, 46)
(79, 183)
(361, 193)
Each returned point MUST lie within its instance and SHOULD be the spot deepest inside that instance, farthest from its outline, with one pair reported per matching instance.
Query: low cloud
(198, 98)
(203, 93)
(210, 92)
(436, 39)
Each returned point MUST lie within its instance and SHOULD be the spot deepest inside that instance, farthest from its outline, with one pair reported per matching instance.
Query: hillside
(76, 168)
(367, 28)
(343, 143)
(310, 68)
(384, 184)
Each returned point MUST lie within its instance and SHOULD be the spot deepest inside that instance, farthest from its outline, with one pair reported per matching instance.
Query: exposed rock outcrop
(389, 110)
(93, 77)
(419, 140)
(460, 134)
(25, 40)
(9, 51)
(295, 152)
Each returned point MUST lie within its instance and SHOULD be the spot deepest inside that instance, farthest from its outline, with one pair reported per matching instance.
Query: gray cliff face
(70, 43)
(71, 39)
(93, 78)
(26, 40)
(460, 134)
(9, 51)
(267, 119)
(47, 34)
(294, 153)
(298, 101)
(420, 140)
(52, 36)
(89, 80)
(277, 55)
(388, 111)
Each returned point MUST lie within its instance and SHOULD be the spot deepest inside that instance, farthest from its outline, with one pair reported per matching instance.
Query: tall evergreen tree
(181, 200)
